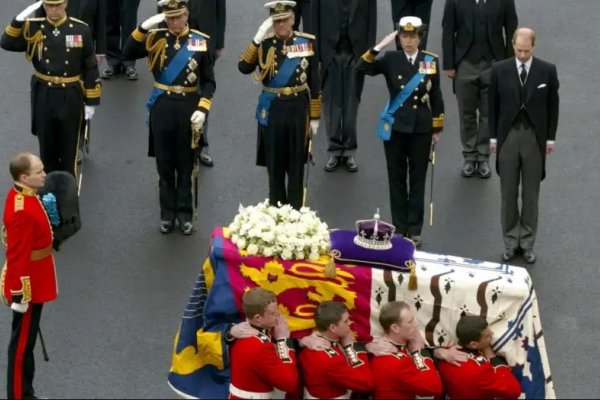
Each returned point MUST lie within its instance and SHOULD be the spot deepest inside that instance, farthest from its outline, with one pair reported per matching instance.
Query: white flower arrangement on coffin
(266, 230)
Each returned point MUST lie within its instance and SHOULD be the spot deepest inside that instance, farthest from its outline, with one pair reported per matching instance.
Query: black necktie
(523, 74)
(410, 60)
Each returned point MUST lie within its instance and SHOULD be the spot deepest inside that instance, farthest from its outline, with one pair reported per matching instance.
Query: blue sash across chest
(386, 118)
(280, 80)
(173, 69)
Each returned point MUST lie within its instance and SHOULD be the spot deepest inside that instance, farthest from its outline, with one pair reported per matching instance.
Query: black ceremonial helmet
(64, 216)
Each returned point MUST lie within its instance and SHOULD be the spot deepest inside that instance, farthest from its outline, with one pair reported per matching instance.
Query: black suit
(345, 29)
(458, 33)
(522, 118)
(476, 33)
(302, 14)
(121, 20)
(93, 13)
(414, 122)
(414, 8)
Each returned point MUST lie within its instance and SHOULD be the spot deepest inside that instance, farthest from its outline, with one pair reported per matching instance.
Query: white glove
(89, 112)
(386, 40)
(21, 308)
(28, 11)
(262, 31)
(153, 21)
(197, 119)
(314, 126)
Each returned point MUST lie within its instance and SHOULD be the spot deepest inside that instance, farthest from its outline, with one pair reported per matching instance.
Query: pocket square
(543, 85)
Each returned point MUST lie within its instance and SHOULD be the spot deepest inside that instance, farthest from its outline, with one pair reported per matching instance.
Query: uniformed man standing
(290, 97)
(184, 84)
(29, 275)
(65, 78)
(412, 119)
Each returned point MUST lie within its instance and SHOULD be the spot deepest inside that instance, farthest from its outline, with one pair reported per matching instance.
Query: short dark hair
(20, 164)
(390, 314)
(469, 328)
(329, 312)
(255, 301)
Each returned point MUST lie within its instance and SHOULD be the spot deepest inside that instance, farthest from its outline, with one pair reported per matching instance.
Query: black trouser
(121, 20)
(285, 149)
(412, 8)
(21, 363)
(172, 135)
(302, 14)
(57, 117)
(341, 96)
(407, 202)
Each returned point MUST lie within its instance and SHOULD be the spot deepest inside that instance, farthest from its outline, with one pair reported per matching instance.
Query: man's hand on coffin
(314, 342)
(281, 329)
(381, 347)
(452, 355)
(242, 330)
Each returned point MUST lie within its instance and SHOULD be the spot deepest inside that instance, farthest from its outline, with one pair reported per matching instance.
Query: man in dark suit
(208, 16)
(523, 121)
(476, 33)
(302, 14)
(417, 8)
(345, 29)
(121, 20)
(93, 13)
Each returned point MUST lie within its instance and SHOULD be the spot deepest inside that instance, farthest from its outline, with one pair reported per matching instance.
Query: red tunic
(258, 365)
(479, 378)
(402, 376)
(333, 372)
(29, 271)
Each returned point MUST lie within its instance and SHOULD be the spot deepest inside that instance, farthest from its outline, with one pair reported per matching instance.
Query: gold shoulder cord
(267, 67)
(34, 42)
(156, 51)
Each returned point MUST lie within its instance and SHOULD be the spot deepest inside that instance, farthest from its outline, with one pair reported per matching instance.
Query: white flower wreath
(284, 232)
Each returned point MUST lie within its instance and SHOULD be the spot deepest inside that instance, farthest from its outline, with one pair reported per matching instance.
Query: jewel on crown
(374, 234)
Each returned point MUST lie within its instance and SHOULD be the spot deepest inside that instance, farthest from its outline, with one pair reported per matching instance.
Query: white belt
(244, 394)
(307, 395)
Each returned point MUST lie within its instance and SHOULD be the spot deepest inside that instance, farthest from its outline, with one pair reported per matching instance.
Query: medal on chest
(73, 41)
(196, 44)
(427, 67)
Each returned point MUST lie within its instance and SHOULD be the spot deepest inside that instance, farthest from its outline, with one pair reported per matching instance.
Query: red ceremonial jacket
(333, 372)
(405, 376)
(258, 365)
(29, 273)
(479, 378)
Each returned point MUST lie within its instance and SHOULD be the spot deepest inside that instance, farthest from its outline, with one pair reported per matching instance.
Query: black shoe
(332, 163)
(416, 240)
(351, 165)
(468, 169)
(206, 159)
(483, 169)
(166, 226)
(186, 228)
(131, 73)
(529, 256)
(108, 72)
(508, 254)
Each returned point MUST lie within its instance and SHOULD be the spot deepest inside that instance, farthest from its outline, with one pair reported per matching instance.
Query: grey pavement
(123, 285)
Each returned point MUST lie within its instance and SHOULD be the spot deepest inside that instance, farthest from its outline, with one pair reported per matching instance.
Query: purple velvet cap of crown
(344, 249)
(374, 233)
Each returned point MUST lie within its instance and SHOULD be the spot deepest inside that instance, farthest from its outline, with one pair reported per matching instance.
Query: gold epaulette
(77, 20)
(38, 19)
(431, 54)
(19, 202)
(200, 33)
(304, 34)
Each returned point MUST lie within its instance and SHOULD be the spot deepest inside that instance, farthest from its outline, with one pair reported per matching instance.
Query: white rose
(300, 255)
(252, 249)
(241, 244)
(268, 251)
(286, 254)
(268, 237)
(234, 239)
(314, 256)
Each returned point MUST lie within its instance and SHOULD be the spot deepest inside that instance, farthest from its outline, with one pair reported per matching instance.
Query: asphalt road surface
(123, 285)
